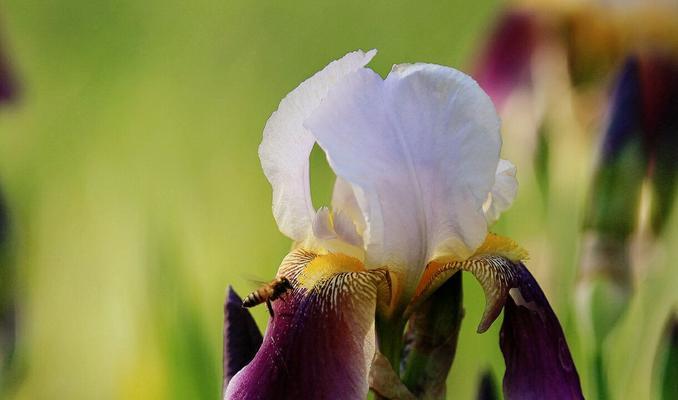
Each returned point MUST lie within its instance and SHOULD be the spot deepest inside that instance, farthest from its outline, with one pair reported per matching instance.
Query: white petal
(423, 147)
(329, 225)
(322, 225)
(286, 146)
(346, 229)
(503, 192)
(344, 201)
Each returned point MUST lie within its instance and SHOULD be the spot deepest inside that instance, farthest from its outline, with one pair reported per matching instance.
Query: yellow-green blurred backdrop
(129, 166)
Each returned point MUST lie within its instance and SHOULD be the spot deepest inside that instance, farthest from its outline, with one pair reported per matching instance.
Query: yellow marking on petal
(493, 245)
(501, 246)
(432, 270)
(324, 266)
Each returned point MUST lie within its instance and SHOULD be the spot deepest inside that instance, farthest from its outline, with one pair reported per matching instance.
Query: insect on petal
(321, 341)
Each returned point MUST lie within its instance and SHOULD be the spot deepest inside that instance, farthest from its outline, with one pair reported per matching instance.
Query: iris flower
(419, 180)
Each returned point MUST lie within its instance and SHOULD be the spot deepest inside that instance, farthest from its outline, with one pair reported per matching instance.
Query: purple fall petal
(538, 361)
(242, 338)
(319, 345)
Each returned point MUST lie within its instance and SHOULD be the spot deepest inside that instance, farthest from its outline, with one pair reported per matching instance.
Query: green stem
(433, 332)
(390, 335)
(601, 380)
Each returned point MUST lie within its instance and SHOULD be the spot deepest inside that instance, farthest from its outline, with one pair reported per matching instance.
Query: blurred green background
(129, 167)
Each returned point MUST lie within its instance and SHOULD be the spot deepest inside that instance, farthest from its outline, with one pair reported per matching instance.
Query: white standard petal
(344, 201)
(329, 225)
(346, 229)
(323, 228)
(503, 192)
(422, 147)
(286, 146)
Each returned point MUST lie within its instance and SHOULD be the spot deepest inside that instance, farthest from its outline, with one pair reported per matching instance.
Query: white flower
(416, 157)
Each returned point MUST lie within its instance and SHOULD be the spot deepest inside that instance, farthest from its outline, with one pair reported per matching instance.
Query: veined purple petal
(242, 338)
(321, 341)
(538, 360)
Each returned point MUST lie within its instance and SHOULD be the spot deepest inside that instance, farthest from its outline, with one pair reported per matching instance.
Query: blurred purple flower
(8, 85)
(626, 113)
(640, 141)
(504, 62)
(659, 80)
(8, 291)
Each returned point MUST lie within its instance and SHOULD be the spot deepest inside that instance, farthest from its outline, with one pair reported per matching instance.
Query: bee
(268, 293)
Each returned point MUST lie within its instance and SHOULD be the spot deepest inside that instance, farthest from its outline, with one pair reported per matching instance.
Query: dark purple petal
(659, 81)
(615, 194)
(659, 85)
(625, 111)
(320, 343)
(538, 360)
(669, 369)
(242, 338)
(505, 61)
